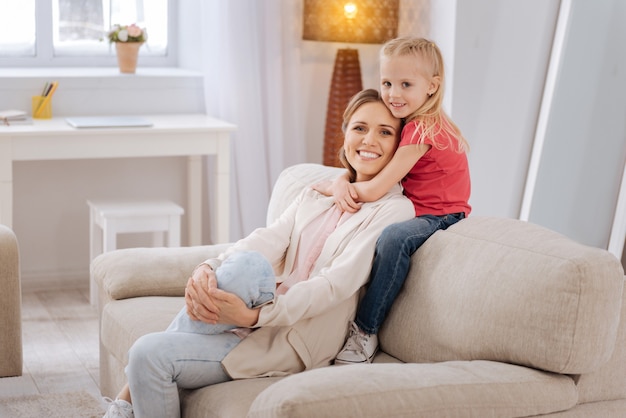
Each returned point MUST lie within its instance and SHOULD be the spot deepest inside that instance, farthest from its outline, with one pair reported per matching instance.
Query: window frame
(44, 52)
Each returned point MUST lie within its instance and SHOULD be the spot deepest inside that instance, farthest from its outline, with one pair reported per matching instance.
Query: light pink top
(312, 241)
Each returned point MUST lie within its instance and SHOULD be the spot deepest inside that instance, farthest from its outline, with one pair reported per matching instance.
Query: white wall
(584, 144)
(502, 54)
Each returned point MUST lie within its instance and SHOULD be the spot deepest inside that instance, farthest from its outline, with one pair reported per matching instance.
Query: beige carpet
(52, 405)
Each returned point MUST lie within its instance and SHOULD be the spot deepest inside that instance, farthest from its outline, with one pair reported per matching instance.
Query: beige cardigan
(306, 327)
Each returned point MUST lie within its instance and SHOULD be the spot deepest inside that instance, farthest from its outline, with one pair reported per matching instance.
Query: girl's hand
(323, 187)
(233, 310)
(343, 191)
(346, 197)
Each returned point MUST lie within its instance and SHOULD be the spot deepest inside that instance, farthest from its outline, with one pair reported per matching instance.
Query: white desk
(172, 135)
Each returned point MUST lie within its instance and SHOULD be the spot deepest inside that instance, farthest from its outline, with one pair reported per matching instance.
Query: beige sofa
(498, 318)
(10, 305)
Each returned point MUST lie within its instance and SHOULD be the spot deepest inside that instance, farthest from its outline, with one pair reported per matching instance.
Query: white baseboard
(54, 280)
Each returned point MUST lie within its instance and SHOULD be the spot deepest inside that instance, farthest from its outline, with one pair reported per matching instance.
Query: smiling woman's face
(371, 139)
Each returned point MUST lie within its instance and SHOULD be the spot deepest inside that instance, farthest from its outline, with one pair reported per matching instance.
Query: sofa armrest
(136, 272)
(511, 291)
(291, 182)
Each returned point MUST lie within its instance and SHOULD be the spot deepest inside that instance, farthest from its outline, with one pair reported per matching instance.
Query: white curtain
(251, 65)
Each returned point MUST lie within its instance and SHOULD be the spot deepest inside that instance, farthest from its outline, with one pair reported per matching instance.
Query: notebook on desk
(107, 121)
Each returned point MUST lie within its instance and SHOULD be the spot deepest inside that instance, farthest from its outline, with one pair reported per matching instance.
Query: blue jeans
(392, 259)
(235, 275)
(188, 354)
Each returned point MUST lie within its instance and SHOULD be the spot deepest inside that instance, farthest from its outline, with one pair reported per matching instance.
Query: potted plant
(128, 39)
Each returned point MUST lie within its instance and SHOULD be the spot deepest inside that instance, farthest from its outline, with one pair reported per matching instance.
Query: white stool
(115, 217)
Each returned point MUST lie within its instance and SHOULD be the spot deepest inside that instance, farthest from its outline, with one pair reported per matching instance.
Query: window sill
(87, 72)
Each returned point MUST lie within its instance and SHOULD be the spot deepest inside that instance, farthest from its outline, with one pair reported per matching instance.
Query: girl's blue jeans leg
(392, 259)
(188, 355)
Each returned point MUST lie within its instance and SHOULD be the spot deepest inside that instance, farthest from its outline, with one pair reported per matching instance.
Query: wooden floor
(60, 344)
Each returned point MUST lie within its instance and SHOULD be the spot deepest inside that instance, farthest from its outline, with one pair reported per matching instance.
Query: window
(17, 28)
(74, 32)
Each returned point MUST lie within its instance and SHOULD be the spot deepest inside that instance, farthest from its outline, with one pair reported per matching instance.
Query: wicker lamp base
(346, 82)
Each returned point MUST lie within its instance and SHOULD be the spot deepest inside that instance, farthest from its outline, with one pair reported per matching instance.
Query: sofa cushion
(291, 182)
(478, 388)
(510, 291)
(229, 399)
(123, 321)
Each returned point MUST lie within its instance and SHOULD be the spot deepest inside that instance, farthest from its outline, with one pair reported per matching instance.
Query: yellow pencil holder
(42, 109)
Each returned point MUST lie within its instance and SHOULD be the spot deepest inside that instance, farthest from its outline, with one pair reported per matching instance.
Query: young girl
(432, 166)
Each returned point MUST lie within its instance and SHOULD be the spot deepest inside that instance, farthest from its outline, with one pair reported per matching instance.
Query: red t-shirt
(439, 183)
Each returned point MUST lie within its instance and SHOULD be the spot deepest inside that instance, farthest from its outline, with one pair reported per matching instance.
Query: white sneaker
(359, 348)
(118, 408)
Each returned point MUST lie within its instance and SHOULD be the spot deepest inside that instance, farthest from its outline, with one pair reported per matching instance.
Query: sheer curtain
(251, 63)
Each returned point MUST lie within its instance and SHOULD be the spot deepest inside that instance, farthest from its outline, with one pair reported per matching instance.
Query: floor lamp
(355, 21)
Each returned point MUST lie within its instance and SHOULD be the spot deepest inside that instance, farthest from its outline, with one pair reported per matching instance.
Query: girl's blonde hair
(430, 117)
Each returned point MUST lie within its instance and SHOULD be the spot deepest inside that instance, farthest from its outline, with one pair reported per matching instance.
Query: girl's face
(406, 83)
(371, 139)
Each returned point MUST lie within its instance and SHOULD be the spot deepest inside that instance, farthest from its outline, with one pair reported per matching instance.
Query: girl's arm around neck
(403, 160)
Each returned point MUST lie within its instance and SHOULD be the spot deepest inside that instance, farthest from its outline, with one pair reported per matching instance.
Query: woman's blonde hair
(358, 100)
(430, 117)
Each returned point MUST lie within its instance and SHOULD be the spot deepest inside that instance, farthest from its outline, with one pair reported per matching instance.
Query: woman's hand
(200, 307)
(232, 309)
(206, 303)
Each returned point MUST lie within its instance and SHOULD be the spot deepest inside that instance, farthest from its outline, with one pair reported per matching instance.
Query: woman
(321, 257)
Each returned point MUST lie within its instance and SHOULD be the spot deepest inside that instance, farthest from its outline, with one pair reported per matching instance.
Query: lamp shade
(353, 21)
